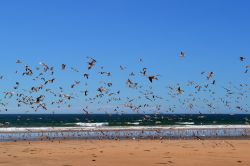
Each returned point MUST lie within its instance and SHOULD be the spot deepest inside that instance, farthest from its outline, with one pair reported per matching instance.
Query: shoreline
(120, 128)
(139, 132)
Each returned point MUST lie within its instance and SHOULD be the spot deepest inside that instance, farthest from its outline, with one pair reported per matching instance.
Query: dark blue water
(72, 120)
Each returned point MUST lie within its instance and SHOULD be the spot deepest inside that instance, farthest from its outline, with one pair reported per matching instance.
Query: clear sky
(212, 33)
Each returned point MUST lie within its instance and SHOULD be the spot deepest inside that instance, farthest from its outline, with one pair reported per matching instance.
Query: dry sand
(127, 153)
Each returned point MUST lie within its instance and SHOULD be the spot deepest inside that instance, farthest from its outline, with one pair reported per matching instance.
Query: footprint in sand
(91, 149)
(167, 157)
(31, 150)
(169, 162)
(4, 162)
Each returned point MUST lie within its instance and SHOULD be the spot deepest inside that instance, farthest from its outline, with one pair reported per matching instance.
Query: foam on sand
(134, 132)
(103, 127)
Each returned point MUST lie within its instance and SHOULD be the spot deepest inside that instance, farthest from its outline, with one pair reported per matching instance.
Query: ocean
(135, 126)
(98, 120)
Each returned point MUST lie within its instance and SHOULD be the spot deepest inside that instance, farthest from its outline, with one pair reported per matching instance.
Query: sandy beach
(126, 152)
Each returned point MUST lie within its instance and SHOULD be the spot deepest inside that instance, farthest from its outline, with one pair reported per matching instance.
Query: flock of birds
(45, 92)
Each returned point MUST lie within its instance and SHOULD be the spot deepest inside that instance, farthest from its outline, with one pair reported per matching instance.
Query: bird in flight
(242, 58)
(151, 78)
(63, 66)
(182, 54)
(91, 63)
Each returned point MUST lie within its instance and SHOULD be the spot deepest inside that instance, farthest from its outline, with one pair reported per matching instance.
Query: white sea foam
(92, 124)
(133, 123)
(185, 123)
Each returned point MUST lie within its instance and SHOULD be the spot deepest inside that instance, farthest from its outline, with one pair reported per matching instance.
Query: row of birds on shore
(45, 93)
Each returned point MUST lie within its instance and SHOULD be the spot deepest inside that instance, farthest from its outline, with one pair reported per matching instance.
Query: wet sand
(126, 152)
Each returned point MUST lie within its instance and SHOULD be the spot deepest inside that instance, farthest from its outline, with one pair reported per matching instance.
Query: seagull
(46, 67)
(242, 58)
(105, 73)
(130, 83)
(101, 89)
(28, 71)
(18, 61)
(122, 67)
(86, 75)
(132, 74)
(179, 90)
(91, 63)
(210, 75)
(40, 98)
(109, 84)
(151, 78)
(74, 69)
(144, 71)
(182, 54)
(63, 66)
(8, 94)
(86, 112)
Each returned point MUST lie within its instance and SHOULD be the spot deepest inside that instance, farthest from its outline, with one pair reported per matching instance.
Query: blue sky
(212, 33)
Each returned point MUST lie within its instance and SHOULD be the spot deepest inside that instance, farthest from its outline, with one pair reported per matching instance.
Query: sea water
(128, 126)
